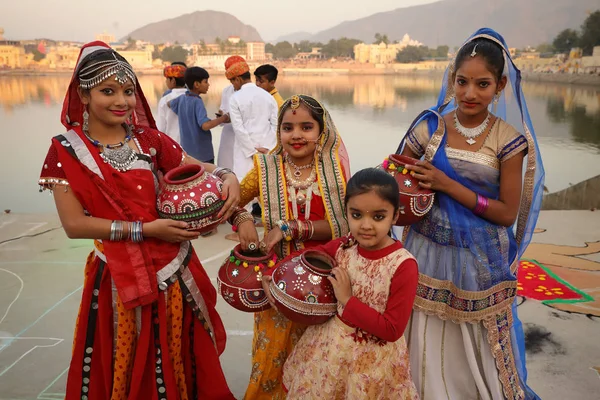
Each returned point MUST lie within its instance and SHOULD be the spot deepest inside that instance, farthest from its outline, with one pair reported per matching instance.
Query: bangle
(285, 229)
(242, 217)
(117, 230)
(220, 172)
(135, 232)
(481, 206)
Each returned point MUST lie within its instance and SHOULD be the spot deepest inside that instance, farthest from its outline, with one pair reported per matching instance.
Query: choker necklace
(119, 155)
(471, 133)
(297, 169)
(301, 192)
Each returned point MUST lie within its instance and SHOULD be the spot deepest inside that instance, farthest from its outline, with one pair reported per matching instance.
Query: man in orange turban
(253, 114)
(166, 120)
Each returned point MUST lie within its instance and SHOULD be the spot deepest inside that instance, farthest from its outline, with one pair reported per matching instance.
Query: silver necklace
(471, 133)
(297, 169)
(119, 155)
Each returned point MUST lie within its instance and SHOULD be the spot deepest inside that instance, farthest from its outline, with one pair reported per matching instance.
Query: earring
(86, 117)
(496, 99)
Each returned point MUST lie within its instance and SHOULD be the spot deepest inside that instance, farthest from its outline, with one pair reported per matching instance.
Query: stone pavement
(41, 273)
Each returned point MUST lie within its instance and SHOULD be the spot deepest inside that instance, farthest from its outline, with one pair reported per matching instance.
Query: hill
(521, 22)
(199, 25)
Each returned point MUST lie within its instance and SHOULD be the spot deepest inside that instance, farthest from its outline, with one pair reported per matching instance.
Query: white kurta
(253, 113)
(167, 121)
(225, 155)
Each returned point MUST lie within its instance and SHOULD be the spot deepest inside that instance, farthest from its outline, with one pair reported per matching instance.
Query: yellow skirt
(274, 338)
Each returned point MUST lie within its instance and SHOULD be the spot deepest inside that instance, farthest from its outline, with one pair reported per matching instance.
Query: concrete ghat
(41, 273)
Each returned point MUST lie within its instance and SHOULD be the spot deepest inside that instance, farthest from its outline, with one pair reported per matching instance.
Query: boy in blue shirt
(194, 124)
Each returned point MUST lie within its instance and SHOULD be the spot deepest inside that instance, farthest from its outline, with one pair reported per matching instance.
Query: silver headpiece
(95, 73)
(474, 52)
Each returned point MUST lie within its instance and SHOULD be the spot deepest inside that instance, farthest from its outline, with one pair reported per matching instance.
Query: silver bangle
(220, 172)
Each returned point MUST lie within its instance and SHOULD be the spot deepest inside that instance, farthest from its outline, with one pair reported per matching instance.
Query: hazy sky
(80, 20)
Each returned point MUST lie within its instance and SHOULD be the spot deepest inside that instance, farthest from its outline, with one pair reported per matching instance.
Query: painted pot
(192, 195)
(415, 201)
(239, 280)
(301, 289)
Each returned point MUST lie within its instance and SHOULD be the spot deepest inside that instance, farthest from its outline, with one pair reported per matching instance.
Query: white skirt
(451, 361)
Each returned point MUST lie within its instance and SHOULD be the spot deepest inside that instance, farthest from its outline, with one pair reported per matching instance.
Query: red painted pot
(192, 195)
(239, 280)
(415, 201)
(301, 288)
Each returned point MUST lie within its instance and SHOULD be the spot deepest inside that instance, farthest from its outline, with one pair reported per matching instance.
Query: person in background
(253, 115)
(169, 84)
(194, 123)
(167, 121)
(266, 76)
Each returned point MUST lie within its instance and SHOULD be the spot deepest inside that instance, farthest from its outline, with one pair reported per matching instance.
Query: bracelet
(220, 172)
(242, 217)
(116, 231)
(481, 206)
(135, 232)
(285, 229)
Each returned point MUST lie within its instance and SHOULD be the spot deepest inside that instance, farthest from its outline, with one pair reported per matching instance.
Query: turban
(235, 66)
(174, 71)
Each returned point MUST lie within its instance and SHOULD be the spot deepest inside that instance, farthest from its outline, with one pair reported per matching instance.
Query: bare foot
(233, 236)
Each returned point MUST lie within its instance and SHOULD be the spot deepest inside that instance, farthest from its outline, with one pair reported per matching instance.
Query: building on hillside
(139, 59)
(234, 39)
(62, 57)
(12, 53)
(382, 53)
(314, 54)
(106, 37)
(255, 51)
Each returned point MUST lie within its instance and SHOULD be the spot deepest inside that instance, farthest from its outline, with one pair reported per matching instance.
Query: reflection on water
(371, 112)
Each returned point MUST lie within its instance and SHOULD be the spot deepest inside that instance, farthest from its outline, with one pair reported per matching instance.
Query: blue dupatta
(490, 300)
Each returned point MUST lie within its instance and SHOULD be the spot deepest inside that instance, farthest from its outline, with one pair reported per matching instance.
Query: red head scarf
(235, 66)
(72, 112)
(174, 71)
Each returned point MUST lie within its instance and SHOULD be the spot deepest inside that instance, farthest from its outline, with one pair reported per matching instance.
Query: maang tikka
(295, 103)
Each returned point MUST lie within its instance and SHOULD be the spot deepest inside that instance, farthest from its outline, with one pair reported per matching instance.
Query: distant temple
(382, 53)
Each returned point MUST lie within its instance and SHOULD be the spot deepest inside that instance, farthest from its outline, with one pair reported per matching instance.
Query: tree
(411, 54)
(381, 38)
(130, 44)
(545, 48)
(590, 33)
(566, 40)
(174, 53)
(342, 47)
(38, 55)
(284, 50)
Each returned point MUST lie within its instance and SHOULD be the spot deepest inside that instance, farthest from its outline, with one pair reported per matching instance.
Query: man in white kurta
(167, 121)
(253, 114)
(225, 155)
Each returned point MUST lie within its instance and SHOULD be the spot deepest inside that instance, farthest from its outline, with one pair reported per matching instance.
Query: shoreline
(535, 77)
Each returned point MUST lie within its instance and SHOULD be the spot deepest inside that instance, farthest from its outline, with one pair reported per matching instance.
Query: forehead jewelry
(295, 103)
(474, 52)
(95, 73)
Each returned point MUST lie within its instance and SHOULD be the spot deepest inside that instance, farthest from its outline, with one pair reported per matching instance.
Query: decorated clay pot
(192, 195)
(239, 279)
(415, 201)
(301, 288)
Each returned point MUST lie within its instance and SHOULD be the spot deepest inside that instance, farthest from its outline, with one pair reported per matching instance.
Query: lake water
(372, 114)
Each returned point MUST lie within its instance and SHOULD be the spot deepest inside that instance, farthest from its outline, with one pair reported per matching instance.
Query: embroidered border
(448, 302)
(473, 157)
(436, 138)
(512, 148)
(331, 180)
(499, 338)
(273, 193)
